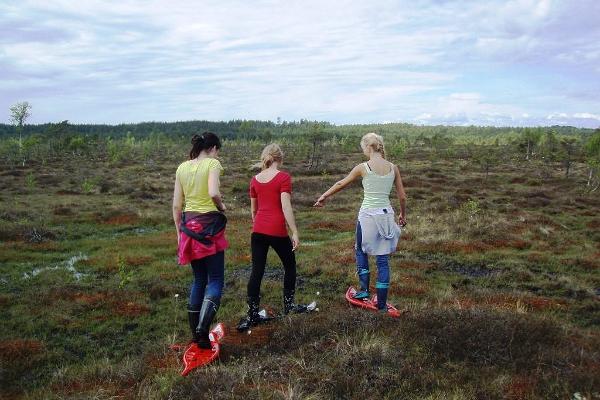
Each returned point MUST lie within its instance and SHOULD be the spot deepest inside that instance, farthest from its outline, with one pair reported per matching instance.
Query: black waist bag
(212, 223)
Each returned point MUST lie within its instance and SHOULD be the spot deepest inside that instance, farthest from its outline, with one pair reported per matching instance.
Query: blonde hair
(374, 141)
(270, 154)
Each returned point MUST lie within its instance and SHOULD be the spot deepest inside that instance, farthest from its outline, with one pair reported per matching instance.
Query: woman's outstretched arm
(288, 213)
(339, 185)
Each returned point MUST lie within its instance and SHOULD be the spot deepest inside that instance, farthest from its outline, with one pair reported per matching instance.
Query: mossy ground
(499, 278)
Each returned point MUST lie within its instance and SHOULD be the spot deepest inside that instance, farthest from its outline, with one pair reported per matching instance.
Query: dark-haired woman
(200, 224)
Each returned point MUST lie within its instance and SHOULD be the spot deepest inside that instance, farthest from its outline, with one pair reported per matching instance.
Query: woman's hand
(320, 202)
(295, 241)
(402, 220)
(222, 207)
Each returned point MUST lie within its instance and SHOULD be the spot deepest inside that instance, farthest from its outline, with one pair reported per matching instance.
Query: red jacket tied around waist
(205, 236)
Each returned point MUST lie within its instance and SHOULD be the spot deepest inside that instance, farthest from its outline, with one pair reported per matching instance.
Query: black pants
(283, 247)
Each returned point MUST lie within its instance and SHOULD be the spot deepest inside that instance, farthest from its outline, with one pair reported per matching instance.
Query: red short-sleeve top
(269, 218)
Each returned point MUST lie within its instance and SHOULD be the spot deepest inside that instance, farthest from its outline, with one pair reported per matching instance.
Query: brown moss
(453, 247)
(19, 349)
(136, 261)
(344, 258)
(130, 308)
(407, 290)
(338, 226)
(121, 219)
(593, 224)
(521, 387)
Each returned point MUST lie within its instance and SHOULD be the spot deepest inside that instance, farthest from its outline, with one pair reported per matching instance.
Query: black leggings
(283, 247)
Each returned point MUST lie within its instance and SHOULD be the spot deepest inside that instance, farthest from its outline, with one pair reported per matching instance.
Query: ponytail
(202, 142)
(374, 141)
(270, 154)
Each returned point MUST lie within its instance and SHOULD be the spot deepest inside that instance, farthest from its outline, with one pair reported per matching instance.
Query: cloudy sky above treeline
(518, 62)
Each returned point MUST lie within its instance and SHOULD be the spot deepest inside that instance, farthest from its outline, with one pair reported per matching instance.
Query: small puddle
(68, 265)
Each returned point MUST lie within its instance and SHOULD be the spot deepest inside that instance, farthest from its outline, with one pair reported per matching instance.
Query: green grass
(499, 278)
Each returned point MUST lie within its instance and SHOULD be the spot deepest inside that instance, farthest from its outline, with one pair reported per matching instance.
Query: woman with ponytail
(376, 230)
(270, 203)
(200, 225)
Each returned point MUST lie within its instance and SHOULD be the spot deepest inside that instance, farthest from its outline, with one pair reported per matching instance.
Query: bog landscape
(497, 273)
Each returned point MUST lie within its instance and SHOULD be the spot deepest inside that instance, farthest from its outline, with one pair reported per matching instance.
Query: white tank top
(377, 188)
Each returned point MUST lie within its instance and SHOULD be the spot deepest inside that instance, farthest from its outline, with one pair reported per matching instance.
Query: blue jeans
(209, 275)
(362, 268)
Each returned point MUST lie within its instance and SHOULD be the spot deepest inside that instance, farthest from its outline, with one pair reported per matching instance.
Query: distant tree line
(254, 129)
(487, 147)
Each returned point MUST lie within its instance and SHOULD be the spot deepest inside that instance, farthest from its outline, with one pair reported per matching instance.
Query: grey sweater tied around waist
(380, 233)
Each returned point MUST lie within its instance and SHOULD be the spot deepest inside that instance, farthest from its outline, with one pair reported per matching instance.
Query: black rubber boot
(252, 318)
(193, 319)
(290, 307)
(210, 305)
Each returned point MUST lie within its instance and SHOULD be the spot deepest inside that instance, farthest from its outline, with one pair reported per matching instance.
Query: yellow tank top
(193, 176)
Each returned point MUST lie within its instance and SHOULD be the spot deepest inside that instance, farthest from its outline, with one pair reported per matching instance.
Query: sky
(464, 62)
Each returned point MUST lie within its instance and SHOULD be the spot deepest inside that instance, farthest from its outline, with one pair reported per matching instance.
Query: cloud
(342, 61)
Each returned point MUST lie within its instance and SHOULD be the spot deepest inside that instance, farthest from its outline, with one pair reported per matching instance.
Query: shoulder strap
(367, 166)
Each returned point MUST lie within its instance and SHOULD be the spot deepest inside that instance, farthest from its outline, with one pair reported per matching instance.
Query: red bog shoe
(195, 357)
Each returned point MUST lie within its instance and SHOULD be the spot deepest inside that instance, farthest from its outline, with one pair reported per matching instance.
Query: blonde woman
(270, 203)
(376, 230)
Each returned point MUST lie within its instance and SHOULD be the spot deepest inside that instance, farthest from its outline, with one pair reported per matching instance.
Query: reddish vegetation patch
(588, 263)
(593, 224)
(138, 260)
(121, 219)
(410, 279)
(106, 264)
(46, 245)
(161, 361)
(17, 349)
(437, 188)
(407, 291)
(542, 303)
(90, 298)
(537, 257)
(509, 244)
(259, 335)
(462, 303)
(407, 237)
(130, 309)
(344, 258)
(4, 299)
(240, 258)
(521, 387)
(507, 302)
(104, 299)
(339, 226)
(454, 247)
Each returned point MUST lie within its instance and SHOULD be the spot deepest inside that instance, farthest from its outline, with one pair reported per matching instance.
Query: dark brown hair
(205, 141)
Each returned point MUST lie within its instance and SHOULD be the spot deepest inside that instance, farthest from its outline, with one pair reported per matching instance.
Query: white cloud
(587, 115)
(344, 61)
